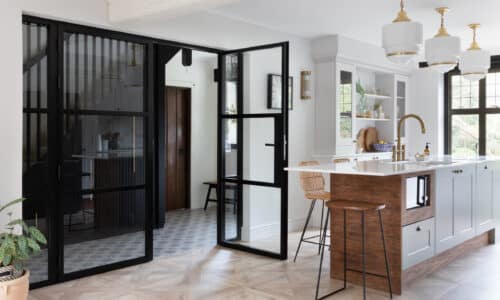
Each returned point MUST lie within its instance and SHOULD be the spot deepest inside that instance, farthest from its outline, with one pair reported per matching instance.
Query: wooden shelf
(375, 96)
(372, 119)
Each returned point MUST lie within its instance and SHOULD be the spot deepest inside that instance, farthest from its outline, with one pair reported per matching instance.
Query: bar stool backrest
(311, 181)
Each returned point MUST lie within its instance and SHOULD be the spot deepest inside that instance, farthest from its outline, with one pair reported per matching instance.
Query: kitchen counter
(455, 216)
(388, 168)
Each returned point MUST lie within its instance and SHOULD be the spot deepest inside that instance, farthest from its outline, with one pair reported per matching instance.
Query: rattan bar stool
(313, 185)
(363, 208)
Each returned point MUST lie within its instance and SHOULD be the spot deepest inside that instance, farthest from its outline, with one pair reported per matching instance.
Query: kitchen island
(436, 211)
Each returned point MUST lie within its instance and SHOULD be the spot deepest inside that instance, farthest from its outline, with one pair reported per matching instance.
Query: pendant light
(475, 62)
(442, 51)
(402, 38)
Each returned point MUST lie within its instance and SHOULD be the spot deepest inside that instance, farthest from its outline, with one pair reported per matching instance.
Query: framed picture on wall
(274, 92)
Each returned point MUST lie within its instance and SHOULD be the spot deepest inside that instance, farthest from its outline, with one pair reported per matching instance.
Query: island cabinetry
(418, 242)
(454, 206)
(484, 205)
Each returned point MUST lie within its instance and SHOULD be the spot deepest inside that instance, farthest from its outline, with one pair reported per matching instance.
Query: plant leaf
(37, 235)
(13, 202)
(23, 245)
(33, 244)
(2, 252)
(18, 265)
(6, 260)
(10, 246)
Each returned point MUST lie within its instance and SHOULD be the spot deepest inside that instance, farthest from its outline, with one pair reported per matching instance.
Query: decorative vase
(16, 289)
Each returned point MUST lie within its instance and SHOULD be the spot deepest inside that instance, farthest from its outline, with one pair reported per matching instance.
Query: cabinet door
(418, 242)
(484, 203)
(345, 105)
(463, 199)
(445, 236)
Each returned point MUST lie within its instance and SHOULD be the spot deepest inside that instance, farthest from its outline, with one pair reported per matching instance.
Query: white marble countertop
(388, 168)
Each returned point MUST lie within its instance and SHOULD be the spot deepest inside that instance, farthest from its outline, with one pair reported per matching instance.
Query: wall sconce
(305, 85)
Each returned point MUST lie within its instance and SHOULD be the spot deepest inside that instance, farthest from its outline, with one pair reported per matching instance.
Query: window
(473, 114)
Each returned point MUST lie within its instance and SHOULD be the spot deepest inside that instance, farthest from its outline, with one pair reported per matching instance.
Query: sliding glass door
(103, 149)
(253, 114)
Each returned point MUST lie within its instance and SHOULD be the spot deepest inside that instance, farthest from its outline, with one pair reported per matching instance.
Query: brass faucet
(398, 151)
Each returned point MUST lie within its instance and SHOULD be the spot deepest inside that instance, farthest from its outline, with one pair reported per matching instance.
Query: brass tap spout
(396, 155)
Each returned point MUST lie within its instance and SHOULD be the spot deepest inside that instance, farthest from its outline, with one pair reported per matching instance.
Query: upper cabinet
(356, 88)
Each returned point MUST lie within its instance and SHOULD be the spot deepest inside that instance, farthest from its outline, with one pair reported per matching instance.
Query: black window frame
(482, 111)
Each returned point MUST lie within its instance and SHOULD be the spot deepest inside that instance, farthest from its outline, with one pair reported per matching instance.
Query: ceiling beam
(120, 11)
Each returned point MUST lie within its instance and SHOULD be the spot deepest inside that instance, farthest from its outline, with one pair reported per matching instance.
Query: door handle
(269, 145)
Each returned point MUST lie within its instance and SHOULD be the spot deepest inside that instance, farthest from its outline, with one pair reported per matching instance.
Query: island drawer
(418, 242)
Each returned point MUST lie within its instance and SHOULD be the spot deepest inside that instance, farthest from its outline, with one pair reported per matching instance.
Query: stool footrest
(367, 273)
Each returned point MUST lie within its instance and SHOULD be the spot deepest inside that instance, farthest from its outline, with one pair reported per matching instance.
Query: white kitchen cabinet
(418, 242)
(340, 113)
(454, 206)
(484, 204)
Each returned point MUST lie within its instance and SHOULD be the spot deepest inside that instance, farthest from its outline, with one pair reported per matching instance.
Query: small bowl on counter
(382, 147)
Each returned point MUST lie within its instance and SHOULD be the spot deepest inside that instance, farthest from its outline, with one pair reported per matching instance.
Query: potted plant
(18, 242)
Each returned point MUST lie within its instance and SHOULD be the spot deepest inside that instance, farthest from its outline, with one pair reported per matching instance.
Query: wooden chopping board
(371, 137)
(361, 139)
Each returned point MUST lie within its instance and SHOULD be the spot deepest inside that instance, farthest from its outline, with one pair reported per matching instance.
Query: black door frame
(281, 150)
(153, 87)
(55, 95)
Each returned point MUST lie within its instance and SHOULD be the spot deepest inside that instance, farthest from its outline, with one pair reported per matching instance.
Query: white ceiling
(363, 19)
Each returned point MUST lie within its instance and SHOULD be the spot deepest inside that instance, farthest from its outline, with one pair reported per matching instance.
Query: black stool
(361, 207)
(213, 185)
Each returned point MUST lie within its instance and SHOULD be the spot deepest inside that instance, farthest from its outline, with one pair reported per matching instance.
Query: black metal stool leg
(385, 253)
(321, 241)
(208, 197)
(323, 245)
(322, 254)
(305, 228)
(345, 250)
(363, 252)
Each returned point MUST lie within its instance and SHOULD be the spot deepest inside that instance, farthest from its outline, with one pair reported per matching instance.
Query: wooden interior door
(177, 116)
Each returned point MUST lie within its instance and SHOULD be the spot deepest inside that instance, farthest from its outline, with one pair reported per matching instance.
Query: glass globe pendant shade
(402, 38)
(474, 62)
(442, 51)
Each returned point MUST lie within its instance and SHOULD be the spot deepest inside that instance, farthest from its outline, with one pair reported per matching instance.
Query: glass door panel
(345, 104)
(102, 168)
(253, 127)
(259, 149)
(401, 104)
(36, 185)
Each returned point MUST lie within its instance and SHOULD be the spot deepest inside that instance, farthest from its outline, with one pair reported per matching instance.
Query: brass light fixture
(305, 85)
(402, 38)
(442, 51)
(474, 62)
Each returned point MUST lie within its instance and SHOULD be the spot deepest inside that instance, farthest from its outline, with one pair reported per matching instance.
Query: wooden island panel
(373, 189)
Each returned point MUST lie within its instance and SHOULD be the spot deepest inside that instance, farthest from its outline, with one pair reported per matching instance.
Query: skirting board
(446, 257)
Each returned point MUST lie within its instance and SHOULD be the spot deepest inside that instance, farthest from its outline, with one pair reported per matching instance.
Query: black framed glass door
(103, 146)
(252, 149)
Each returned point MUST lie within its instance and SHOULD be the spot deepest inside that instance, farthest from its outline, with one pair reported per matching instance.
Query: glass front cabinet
(345, 108)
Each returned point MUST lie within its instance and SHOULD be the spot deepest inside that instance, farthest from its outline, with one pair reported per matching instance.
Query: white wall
(201, 29)
(199, 78)
(427, 101)
(10, 105)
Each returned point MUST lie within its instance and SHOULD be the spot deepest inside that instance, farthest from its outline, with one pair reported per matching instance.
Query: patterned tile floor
(216, 273)
(184, 230)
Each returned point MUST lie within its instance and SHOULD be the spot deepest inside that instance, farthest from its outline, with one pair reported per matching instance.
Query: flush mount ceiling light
(474, 62)
(402, 38)
(442, 51)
